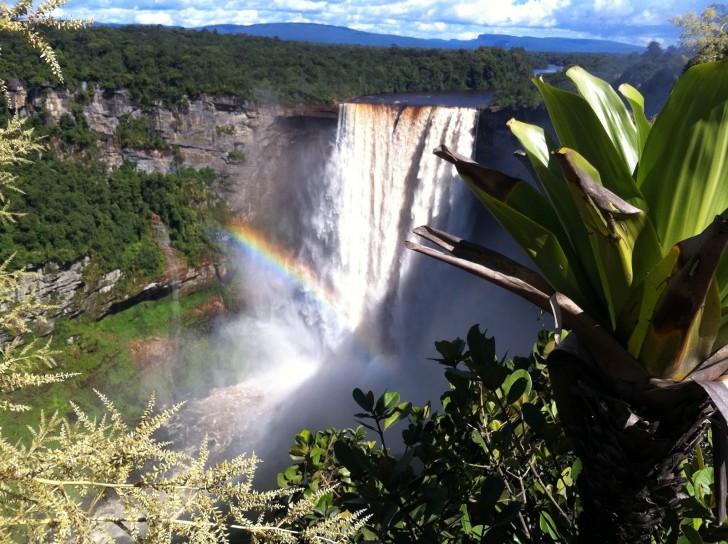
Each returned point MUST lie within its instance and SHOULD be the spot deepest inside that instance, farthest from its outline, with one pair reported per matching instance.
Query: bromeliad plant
(628, 223)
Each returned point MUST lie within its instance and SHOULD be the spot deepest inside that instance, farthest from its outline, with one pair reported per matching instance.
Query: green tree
(704, 35)
(493, 465)
(628, 226)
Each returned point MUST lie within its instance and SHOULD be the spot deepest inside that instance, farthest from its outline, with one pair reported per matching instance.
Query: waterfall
(383, 180)
(344, 304)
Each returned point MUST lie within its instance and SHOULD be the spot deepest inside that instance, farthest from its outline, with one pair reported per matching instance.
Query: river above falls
(463, 99)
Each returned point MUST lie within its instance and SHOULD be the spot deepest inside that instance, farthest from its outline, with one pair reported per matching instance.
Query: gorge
(335, 301)
(323, 202)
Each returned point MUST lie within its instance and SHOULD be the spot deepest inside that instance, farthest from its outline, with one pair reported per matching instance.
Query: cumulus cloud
(629, 20)
(154, 18)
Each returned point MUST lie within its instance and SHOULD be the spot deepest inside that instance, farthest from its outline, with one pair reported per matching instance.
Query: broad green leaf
(364, 400)
(400, 413)
(547, 525)
(677, 339)
(644, 304)
(637, 103)
(612, 113)
(539, 148)
(684, 165)
(528, 218)
(386, 402)
(578, 127)
(517, 384)
(614, 226)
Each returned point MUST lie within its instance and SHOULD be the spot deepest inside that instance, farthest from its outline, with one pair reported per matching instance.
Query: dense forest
(79, 209)
(163, 64)
(166, 65)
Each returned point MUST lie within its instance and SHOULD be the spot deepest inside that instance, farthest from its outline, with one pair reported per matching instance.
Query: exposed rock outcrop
(256, 147)
(247, 142)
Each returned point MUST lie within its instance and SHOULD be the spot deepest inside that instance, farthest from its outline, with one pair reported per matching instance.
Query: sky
(631, 21)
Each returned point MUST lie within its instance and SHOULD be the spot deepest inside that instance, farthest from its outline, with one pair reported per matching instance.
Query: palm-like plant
(628, 226)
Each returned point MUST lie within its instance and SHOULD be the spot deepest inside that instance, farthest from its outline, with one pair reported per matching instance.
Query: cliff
(258, 149)
(265, 153)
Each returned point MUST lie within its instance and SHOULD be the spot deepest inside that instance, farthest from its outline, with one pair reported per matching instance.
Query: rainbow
(284, 264)
(281, 261)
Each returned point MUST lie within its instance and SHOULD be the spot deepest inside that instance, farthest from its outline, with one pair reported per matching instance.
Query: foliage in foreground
(493, 465)
(627, 225)
(603, 226)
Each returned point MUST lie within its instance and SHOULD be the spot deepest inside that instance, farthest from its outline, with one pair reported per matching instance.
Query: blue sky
(633, 21)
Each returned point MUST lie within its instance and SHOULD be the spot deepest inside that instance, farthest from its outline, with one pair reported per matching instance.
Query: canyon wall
(266, 153)
(258, 148)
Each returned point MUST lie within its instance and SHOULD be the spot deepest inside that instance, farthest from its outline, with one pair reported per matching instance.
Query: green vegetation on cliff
(72, 210)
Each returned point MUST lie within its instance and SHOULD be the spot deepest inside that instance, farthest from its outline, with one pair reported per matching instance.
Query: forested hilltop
(159, 64)
(165, 64)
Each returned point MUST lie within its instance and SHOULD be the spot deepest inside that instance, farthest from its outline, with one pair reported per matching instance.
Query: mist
(334, 301)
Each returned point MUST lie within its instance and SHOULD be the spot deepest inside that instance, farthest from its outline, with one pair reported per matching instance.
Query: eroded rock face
(248, 143)
(256, 147)
(69, 290)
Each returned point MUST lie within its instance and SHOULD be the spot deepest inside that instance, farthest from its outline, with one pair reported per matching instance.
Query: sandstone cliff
(258, 149)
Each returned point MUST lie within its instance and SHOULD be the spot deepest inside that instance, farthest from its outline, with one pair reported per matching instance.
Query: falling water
(346, 303)
(386, 181)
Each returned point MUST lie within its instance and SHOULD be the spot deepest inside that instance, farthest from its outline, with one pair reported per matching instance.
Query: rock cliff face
(246, 142)
(265, 153)
(258, 149)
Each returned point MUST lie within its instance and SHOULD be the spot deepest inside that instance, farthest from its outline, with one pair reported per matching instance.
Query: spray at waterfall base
(335, 301)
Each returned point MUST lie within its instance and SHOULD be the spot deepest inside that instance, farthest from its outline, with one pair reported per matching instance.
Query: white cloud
(511, 12)
(445, 19)
(613, 7)
(154, 18)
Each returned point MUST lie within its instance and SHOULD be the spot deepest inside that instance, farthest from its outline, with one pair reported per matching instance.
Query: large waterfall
(345, 304)
(383, 181)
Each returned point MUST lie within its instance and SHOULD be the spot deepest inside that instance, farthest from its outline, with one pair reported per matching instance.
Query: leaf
(352, 458)
(614, 227)
(459, 377)
(451, 351)
(637, 103)
(517, 384)
(508, 513)
(491, 491)
(646, 301)
(400, 413)
(365, 401)
(528, 218)
(493, 377)
(691, 534)
(676, 342)
(609, 108)
(547, 525)
(684, 165)
(533, 417)
(386, 402)
(703, 478)
(482, 348)
(578, 127)
(539, 148)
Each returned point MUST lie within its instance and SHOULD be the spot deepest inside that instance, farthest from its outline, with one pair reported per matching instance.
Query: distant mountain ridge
(317, 33)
